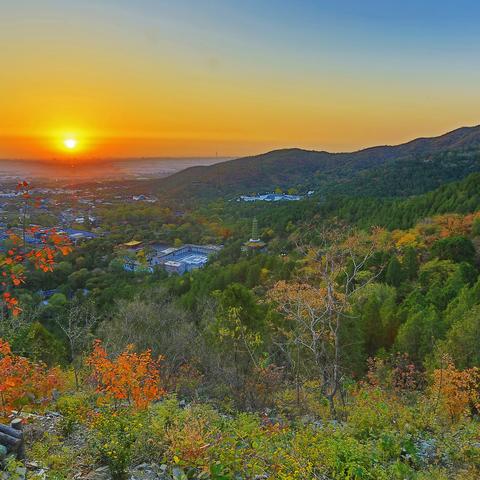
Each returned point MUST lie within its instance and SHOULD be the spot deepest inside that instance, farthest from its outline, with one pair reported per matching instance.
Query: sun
(70, 143)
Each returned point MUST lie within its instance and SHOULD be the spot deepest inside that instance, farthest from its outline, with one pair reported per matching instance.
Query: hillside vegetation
(458, 197)
(410, 168)
(348, 349)
(249, 368)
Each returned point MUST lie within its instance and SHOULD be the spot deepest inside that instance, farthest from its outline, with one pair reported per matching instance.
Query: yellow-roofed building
(132, 246)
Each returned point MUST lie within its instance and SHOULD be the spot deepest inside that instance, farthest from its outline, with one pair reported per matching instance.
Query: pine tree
(394, 273)
(410, 263)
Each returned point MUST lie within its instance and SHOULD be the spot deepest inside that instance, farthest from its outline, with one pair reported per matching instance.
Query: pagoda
(254, 243)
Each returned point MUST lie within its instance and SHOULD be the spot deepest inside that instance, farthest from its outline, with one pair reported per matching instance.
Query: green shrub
(51, 452)
(74, 409)
(114, 434)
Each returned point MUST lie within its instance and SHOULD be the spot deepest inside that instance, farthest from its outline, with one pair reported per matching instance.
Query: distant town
(76, 214)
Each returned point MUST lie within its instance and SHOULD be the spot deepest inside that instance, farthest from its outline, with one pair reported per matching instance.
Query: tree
(14, 260)
(476, 227)
(462, 341)
(42, 345)
(435, 272)
(236, 295)
(238, 347)
(458, 390)
(58, 300)
(410, 263)
(417, 336)
(77, 327)
(23, 381)
(394, 273)
(78, 278)
(457, 249)
(376, 310)
(319, 310)
(237, 336)
(175, 336)
(132, 377)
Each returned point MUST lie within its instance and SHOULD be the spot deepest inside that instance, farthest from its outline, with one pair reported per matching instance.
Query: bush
(114, 434)
(51, 452)
(74, 409)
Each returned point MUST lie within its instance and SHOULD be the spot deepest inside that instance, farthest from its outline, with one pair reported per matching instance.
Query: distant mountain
(410, 168)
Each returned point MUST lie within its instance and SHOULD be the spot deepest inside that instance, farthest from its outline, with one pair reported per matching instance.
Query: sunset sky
(191, 78)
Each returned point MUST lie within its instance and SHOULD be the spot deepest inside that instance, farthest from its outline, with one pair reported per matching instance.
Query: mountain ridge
(293, 167)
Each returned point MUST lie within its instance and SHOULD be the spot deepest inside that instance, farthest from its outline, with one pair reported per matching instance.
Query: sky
(154, 78)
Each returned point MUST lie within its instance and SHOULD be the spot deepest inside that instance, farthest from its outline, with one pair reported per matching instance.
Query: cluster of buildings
(77, 236)
(179, 260)
(185, 258)
(172, 259)
(273, 197)
(37, 237)
(143, 198)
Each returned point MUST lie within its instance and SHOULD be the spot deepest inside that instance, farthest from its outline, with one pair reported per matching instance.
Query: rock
(54, 414)
(426, 450)
(55, 394)
(19, 474)
(147, 471)
(101, 473)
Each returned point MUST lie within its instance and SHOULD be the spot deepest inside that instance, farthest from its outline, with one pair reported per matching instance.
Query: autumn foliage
(133, 378)
(23, 381)
(457, 390)
(432, 229)
(13, 262)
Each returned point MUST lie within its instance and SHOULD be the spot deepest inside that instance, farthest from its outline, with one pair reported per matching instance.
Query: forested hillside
(458, 197)
(411, 168)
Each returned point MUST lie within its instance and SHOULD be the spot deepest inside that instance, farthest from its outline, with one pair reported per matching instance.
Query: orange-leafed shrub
(133, 378)
(23, 382)
(189, 439)
(458, 390)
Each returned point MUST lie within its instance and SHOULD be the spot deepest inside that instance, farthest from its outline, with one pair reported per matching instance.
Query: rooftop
(132, 243)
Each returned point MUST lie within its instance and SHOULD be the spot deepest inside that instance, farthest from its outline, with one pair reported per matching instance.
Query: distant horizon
(83, 161)
(86, 160)
(119, 169)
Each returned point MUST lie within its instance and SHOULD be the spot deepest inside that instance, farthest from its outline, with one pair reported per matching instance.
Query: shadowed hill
(317, 169)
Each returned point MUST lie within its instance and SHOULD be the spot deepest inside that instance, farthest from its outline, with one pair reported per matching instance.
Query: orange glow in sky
(144, 78)
(65, 143)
